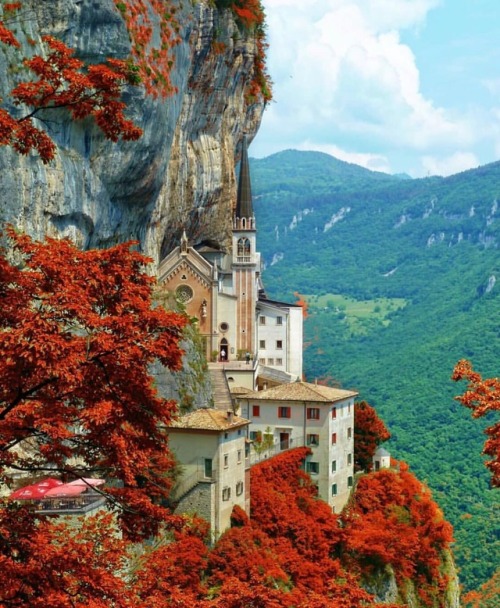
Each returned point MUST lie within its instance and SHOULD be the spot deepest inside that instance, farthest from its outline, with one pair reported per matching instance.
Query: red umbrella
(37, 490)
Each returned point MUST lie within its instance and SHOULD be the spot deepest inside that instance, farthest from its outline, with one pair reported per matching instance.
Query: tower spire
(244, 205)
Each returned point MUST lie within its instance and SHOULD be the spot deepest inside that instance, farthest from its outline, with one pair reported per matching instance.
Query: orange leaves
(64, 82)
(393, 520)
(369, 432)
(148, 21)
(78, 337)
(482, 397)
(302, 302)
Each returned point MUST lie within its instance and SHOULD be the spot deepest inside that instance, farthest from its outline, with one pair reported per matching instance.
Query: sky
(400, 86)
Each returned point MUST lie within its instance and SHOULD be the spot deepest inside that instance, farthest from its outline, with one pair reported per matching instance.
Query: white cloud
(344, 80)
(459, 161)
(374, 162)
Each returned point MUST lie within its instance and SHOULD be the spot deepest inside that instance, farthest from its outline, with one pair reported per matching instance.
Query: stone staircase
(221, 392)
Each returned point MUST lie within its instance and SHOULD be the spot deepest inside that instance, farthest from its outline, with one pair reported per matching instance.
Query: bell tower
(246, 260)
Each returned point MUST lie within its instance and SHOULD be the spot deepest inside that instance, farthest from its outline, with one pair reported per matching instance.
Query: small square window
(312, 439)
(279, 320)
(279, 361)
(270, 361)
(255, 411)
(262, 344)
(226, 493)
(284, 412)
(262, 320)
(279, 344)
(256, 436)
(262, 360)
(312, 467)
(313, 413)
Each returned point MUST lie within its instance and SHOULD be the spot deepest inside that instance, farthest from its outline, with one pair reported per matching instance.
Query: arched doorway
(223, 350)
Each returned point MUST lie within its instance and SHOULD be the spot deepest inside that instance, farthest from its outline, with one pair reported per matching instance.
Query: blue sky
(393, 85)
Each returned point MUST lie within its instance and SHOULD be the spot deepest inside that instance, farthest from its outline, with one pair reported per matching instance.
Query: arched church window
(243, 246)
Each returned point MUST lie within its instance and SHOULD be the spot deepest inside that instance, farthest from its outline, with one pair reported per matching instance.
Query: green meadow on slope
(402, 278)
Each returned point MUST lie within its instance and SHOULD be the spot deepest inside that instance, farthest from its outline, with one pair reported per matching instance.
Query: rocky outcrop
(179, 175)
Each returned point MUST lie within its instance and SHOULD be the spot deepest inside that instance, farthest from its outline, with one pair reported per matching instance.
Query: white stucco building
(209, 445)
(319, 417)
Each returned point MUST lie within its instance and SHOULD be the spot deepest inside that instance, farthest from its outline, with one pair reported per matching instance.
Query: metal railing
(255, 457)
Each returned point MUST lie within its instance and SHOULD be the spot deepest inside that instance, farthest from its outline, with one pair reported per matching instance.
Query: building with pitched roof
(305, 414)
(209, 445)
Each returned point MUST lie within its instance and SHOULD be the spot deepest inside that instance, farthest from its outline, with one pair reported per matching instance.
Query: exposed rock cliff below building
(179, 175)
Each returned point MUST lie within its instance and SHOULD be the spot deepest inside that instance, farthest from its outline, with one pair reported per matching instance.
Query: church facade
(224, 292)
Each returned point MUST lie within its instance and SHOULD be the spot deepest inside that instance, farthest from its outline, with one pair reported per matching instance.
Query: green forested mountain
(403, 280)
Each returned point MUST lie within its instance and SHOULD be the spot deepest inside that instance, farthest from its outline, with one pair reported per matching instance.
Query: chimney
(230, 415)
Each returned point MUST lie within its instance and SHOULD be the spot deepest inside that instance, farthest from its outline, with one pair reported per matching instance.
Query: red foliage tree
(393, 520)
(42, 564)
(302, 302)
(62, 81)
(483, 398)
(369, 432)
(78, 334)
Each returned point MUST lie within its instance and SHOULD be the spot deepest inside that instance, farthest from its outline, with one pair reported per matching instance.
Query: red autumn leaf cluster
(393, 520)
(62, 82)
(78, 333)
(369, 432)
(302, 302)
(482, 396)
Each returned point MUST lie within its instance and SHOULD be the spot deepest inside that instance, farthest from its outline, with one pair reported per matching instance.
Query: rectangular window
(226, 493)
(262, 344)
(334, 489)
(284, 412)
(312, 439)
(270, 361)
(279, 361)
(279, 344)
(208, 467)
(279, 320)
(226, 460)
(262, 320)
(313, 413)
(349, 482)
(239, 455)
(349, 408)
(239, 488)
(349, 433)
(255, 411)
(349, 458)
(312, 467)
(334, 438)
(262, 360)
(334, 412)
(256, 436)
(334, 466)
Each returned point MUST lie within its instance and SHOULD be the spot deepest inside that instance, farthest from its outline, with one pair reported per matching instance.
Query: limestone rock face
(179, 175)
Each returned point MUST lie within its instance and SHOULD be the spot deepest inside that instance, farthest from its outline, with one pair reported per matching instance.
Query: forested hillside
(402, 279)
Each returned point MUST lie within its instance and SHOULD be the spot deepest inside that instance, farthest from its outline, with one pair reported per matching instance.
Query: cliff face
(179, 175)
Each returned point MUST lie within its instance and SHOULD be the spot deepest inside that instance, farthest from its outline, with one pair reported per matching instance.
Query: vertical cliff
(179, 175)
